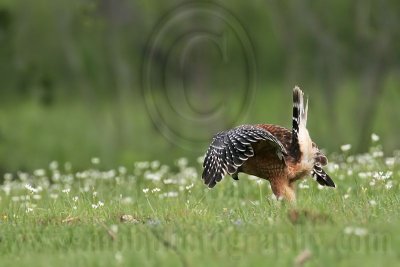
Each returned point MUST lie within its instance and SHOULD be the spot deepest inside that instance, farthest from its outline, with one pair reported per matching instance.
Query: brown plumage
(268, 151)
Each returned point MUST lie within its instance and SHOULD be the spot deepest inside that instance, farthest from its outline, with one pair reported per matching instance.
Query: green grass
(121, 130)
(57, 217)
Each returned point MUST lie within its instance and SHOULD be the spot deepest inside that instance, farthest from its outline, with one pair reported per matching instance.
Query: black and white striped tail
(299, 119)
(321, 177)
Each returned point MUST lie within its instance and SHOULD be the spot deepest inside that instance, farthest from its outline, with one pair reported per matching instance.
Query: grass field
(149, 214)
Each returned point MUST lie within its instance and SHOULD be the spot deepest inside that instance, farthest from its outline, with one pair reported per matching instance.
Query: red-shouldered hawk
(268, 151)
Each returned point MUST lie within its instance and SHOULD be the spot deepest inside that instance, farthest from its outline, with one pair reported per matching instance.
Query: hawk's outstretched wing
(230, 149)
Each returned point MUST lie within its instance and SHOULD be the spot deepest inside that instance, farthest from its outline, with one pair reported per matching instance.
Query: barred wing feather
(230, 149)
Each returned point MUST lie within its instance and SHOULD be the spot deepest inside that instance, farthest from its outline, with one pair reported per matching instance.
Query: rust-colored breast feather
(265, 163)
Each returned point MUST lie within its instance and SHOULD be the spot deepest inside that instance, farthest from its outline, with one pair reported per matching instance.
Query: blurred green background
(145, 80)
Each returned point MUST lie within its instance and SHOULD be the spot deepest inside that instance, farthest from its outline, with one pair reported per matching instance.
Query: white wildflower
(86, 188)
(145, 190)
(127, 200)
(155, 164)
(350, 159)
(332, 167)
(37, 197)
(154, 176)
(95, 206)
(100, 203)
(200, 160)
(155, 190)
(169, 194)
(39, 172)
(364, 189)
(122, 170)
(303, 185)
(374, 137)
(390, 161)
(109, 174)
(114, 228)
(6, 188)
(75, 198)
(27, 197)
(66, 190)
(182, 162)
(377, 154)
(28, 210)
(345, 147)
(53, 165)
(23, 176)
(142, 165)
(170, 181)
(188, 187)
(360, 231)
(355, 231)
(118, 257)
(378, 175)
(364, 175)
(81, 175)
(388, 174)
(389, 185)
(164, 169)
(8, 177)
(172, 194)
(56, 176)
(348, 230)
(382, 175)
(372, 202)
(30, 188)
(188, 173)
(95, 161)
